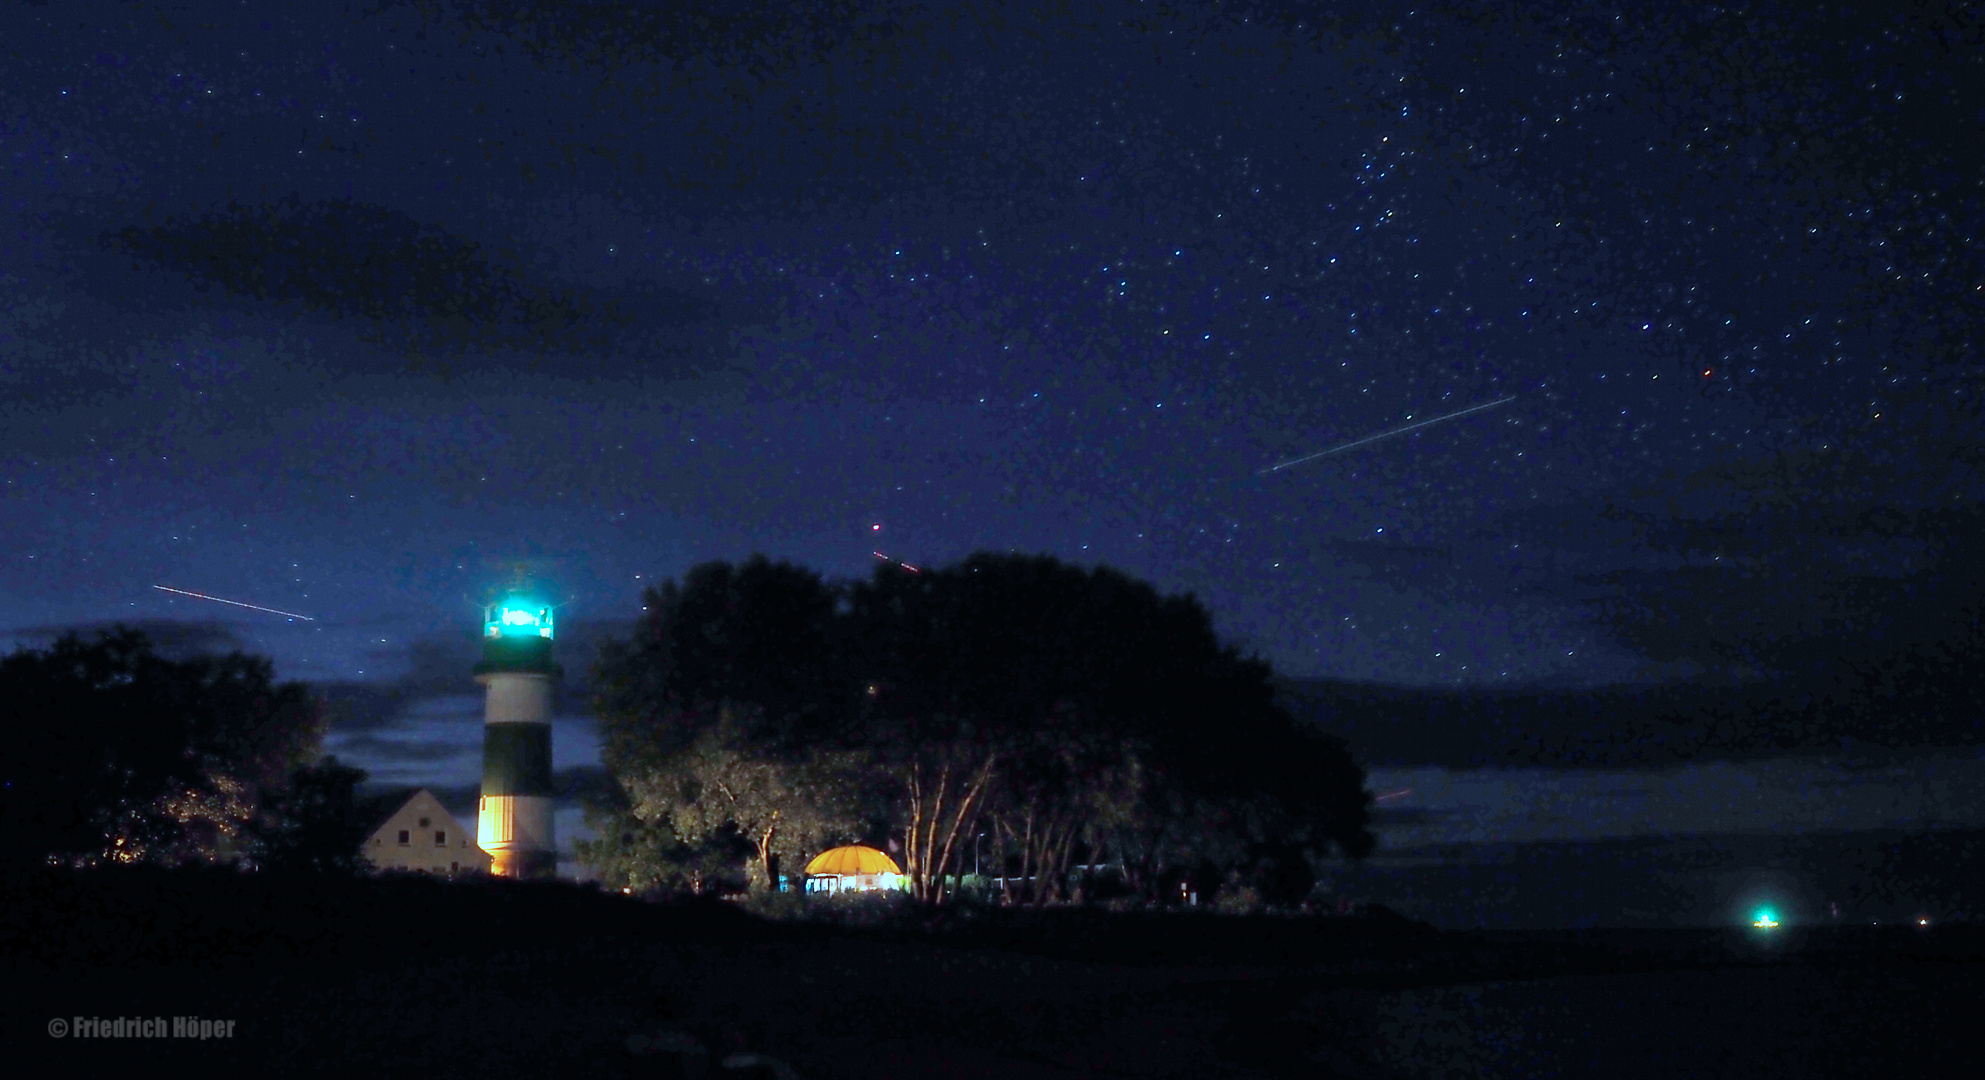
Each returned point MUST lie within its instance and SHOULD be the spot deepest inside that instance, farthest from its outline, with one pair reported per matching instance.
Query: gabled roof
(394, 802)
(378, 808)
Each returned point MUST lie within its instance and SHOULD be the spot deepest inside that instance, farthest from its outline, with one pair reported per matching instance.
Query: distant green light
(1766, 919)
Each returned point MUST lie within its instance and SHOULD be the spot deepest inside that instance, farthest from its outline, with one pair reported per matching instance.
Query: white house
(422, 835)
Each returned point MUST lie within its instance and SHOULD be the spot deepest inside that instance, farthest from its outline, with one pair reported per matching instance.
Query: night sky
(347, 310)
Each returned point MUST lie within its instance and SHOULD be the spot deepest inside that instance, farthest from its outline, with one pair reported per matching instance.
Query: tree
(1060, 789)
(1055, 697)
(1056, 700)
(645, 857)
(760, 637)
(1166, 835)
(118, 754)
(628, 853)
(953, 689)
(712, 714)
(719, 784)
(316, 823)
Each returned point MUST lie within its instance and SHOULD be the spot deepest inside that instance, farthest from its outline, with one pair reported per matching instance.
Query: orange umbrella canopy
(852, 859)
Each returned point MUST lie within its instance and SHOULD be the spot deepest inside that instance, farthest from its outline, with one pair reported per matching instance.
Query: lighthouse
(513, 818)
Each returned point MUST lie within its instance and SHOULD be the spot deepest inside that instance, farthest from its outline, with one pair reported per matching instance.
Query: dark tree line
(1069, 715)
(118, 755)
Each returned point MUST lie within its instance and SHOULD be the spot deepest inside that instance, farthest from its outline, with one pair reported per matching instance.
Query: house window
(440, 838)
(424, 823)
(404, 838)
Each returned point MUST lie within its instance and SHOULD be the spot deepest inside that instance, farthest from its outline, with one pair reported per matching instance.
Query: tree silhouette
(761, 637)
(647, 858)
(316, 823)
(711, 716)
(1055, 697)
(1065, 707)
(118, 754)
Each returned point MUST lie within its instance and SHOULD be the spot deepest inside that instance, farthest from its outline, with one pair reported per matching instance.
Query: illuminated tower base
(513, 819)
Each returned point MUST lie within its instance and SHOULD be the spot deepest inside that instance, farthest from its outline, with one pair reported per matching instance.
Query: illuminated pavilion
(852, 868)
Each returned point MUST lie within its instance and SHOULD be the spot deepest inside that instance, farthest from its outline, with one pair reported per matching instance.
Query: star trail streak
(236, 603)
(898, 562)
(1385, 435)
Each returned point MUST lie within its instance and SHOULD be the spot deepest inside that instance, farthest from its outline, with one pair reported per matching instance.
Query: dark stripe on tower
(526, 654)
(516, 759)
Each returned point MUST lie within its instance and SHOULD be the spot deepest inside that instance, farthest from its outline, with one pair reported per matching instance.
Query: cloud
(358, 707)
(460, 799)
(440, 665)
(404, 755)
(1383, 816)
(436, 672)
(580, 782)
(579, 642)
(174, 640)
(437, 666)
(417, 290)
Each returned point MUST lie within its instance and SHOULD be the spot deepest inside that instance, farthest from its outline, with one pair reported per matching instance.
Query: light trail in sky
(1384, 435)
(898, 562)
(236, 603)
(1392, 794)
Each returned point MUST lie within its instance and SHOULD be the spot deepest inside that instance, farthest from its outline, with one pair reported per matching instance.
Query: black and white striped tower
(513, 820)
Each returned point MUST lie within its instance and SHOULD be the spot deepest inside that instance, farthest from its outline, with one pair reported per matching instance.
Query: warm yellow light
(496, 822)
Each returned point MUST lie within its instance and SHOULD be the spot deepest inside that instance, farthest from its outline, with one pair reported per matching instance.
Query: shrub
(1238, 900)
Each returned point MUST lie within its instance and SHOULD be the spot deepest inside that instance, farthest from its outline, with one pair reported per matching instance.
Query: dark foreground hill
(422, 978)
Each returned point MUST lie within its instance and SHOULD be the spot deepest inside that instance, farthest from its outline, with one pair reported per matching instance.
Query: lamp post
(975, 853)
